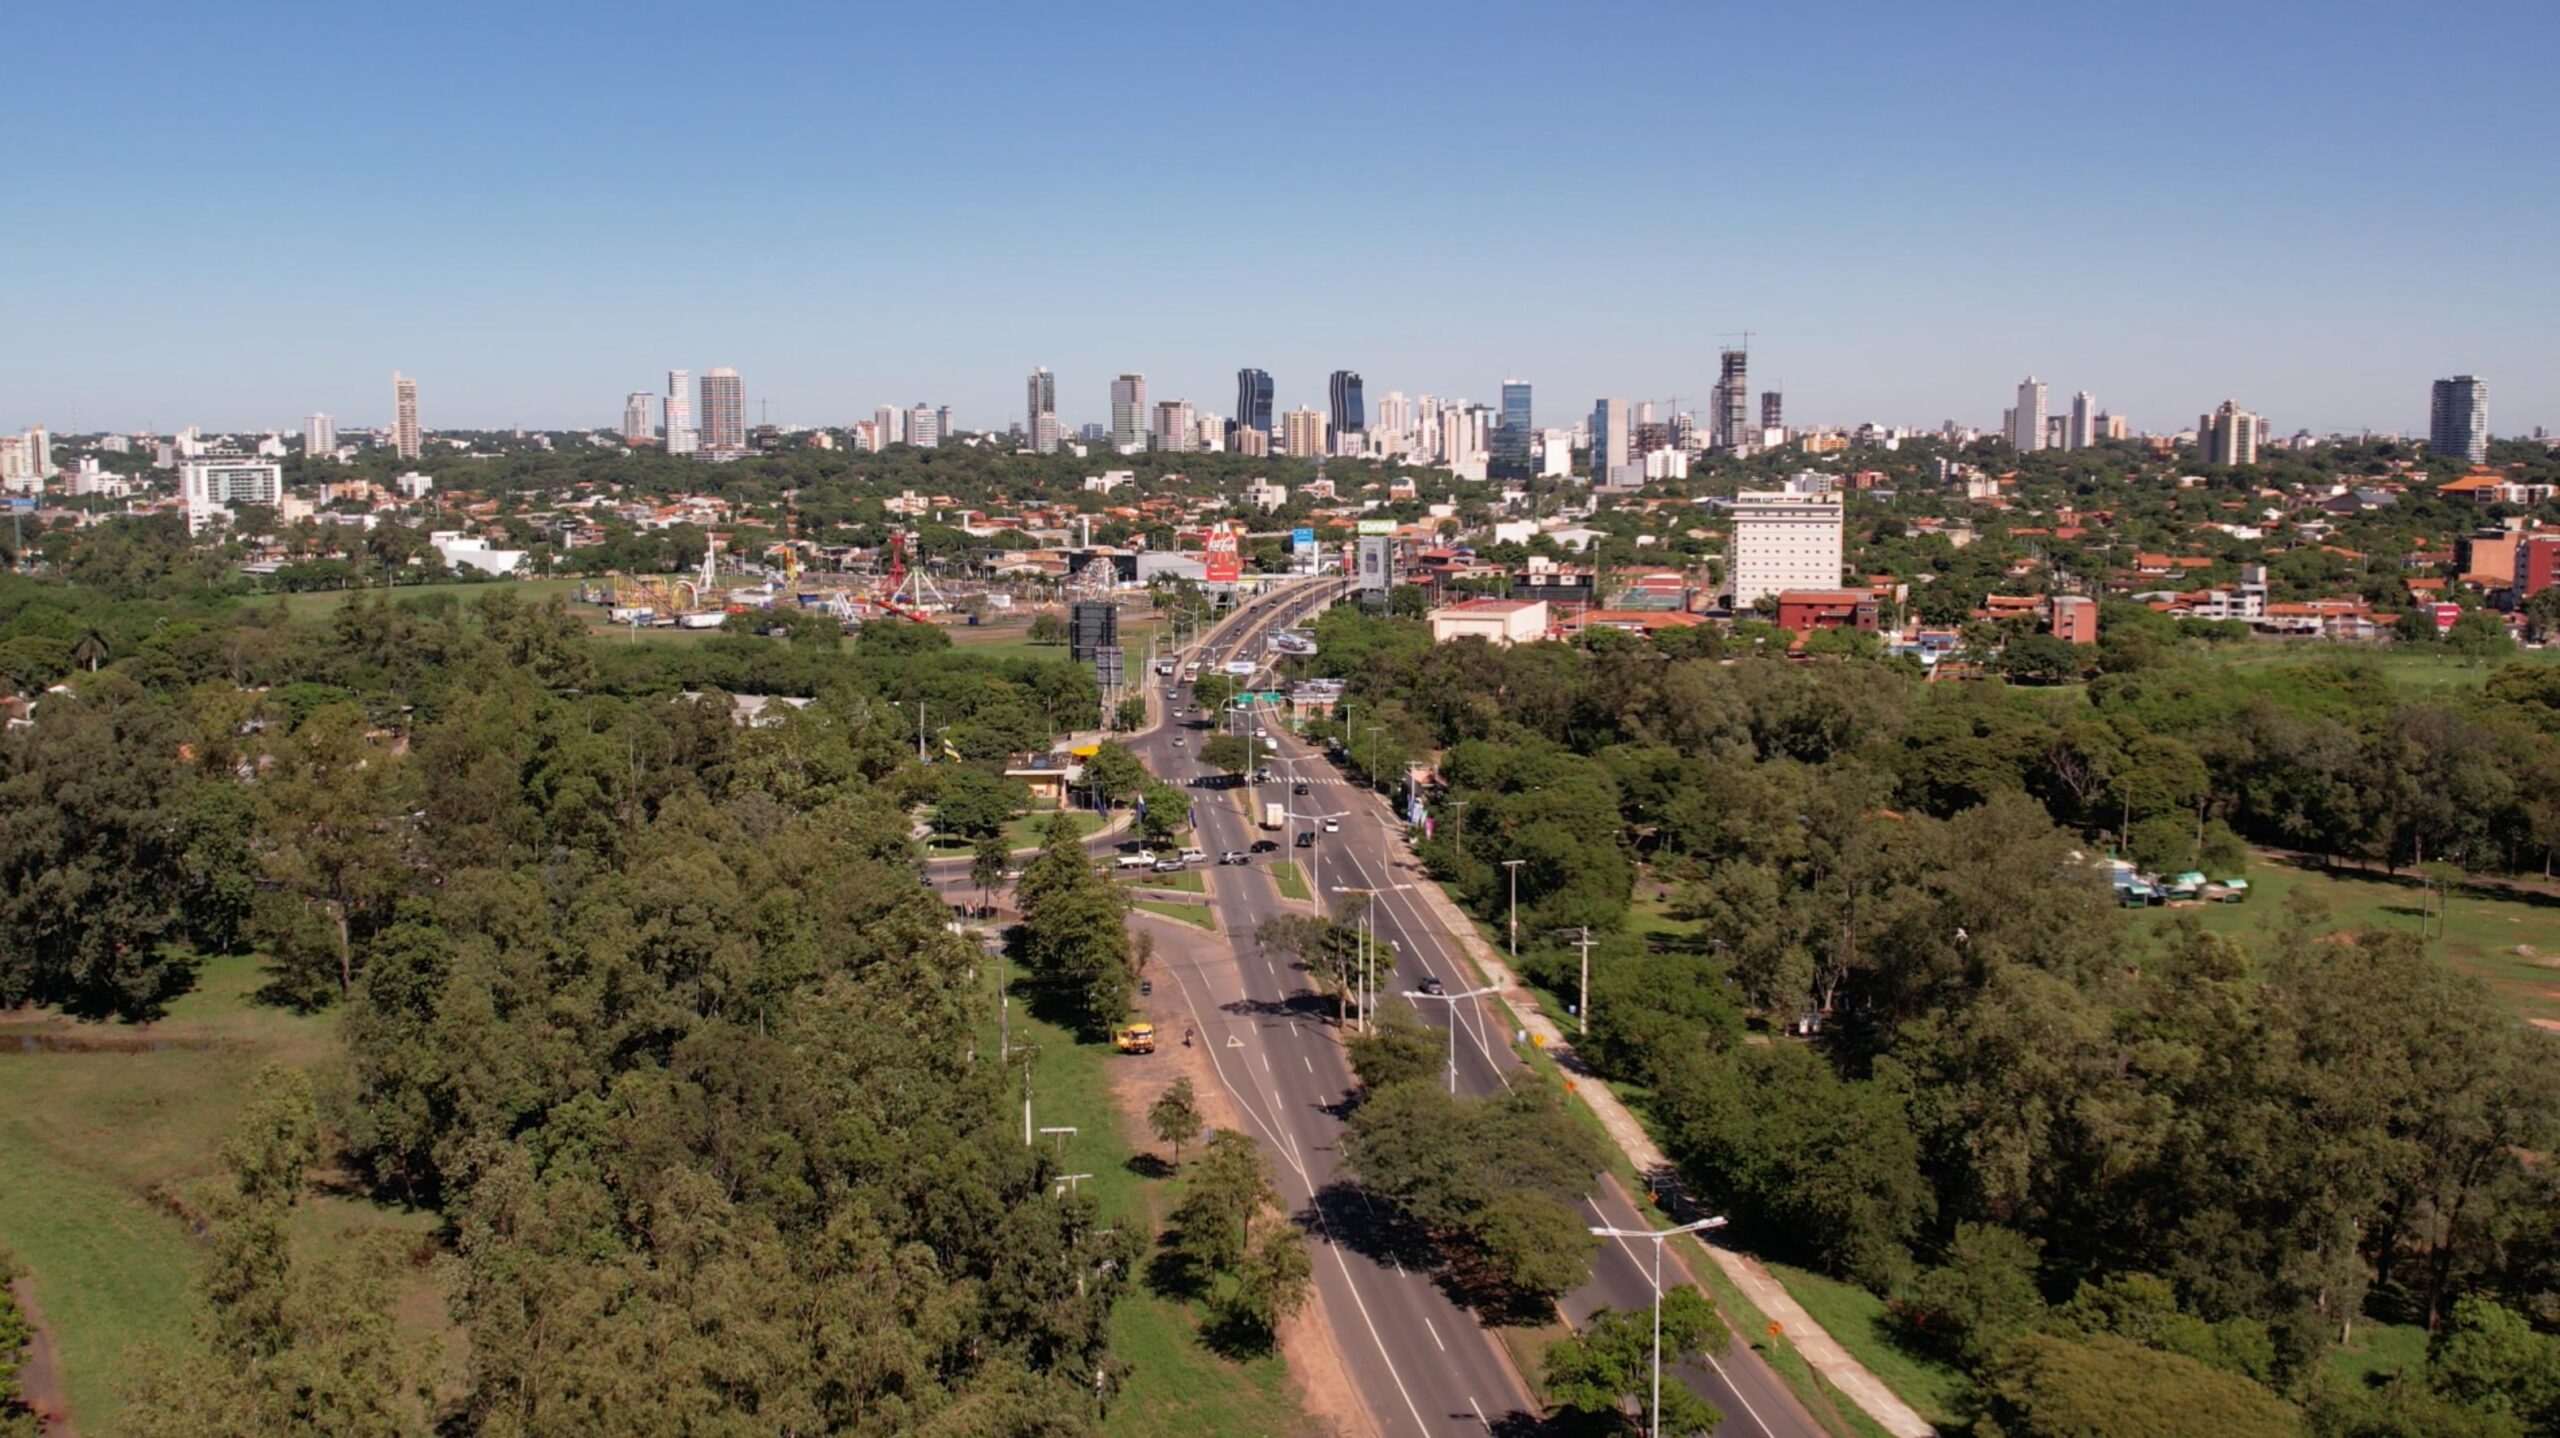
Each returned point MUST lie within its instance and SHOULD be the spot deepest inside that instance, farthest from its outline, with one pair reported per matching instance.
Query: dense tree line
(2014, 1108)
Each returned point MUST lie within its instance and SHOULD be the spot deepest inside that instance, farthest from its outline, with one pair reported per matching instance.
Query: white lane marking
(1310, 1063)
(1435, 1333)
(1642, 1267)
(1480, 1418)
(1414, 931)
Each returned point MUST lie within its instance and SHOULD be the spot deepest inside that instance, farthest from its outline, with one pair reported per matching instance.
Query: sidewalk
(1818, 1348)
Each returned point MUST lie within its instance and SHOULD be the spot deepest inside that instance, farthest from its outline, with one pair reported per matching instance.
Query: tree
(975, 803)
(1227, 1187)
(2041, 1386)
(1272, 1280)
(1395, 1048)
(1174, 1118)
(1605, 1373)
(335, 804)
(2039, 659)
(988, 860)
(2479, 634)
(1167, 812)
(1327, 950)
(1130, 714)
(1983, 1295)
(1114, 772)
(1227, 753)
(1536, 1246)
(1047, 629)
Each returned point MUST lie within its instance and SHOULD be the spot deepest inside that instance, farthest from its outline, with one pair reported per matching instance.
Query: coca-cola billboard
(1222, 563)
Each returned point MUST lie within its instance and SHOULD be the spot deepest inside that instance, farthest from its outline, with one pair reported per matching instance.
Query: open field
(2508, 939)
(2408, 666)
(1176, 1387)
(1025, 831)
(1197, 915)
(108, 1133)
(324, 601)
(1013, 641)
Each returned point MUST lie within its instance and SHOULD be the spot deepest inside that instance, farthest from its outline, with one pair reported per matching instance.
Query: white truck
(1274, 814)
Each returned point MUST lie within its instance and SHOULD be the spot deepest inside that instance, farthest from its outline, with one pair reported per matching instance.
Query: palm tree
(91, 649)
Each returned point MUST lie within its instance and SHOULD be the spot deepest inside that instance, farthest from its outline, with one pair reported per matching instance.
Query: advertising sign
(1302, 551)
(1377, 570)
(1377, 526)
(1223, 563)
(2445, 615)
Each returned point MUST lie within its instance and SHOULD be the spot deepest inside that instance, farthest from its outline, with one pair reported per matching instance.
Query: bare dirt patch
(40, 1371)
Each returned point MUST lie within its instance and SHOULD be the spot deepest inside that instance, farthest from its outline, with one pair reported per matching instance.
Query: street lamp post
(1373, 753)
(1452, 1000)
(1367, 987)
(1656, 1236)
(1514, 866)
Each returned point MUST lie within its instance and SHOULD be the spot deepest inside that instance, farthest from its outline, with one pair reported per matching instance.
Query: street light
(1514, 866)
(1452, 1001)
(1656, 1236)
(1369, 949)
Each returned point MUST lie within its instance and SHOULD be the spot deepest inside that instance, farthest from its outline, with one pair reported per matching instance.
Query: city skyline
(501, 269)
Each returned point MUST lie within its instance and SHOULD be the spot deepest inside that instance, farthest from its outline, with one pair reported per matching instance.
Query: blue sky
(250, 211)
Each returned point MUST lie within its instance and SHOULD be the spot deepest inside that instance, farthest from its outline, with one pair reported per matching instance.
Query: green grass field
(107, 1133)
(2408, 666)
(1026, 831)
(1859, 1321)
(1199, 916)
(1177, 1387)
(1186, 882)
(1292, 883)
(2510, 942)
(324, 601)
(1013, 641)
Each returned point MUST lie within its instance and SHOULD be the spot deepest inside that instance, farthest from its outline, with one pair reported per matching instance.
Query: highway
(1422, 1363)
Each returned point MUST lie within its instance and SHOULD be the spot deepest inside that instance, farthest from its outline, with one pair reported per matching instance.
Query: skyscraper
(724, 411)
(681, 438)
(1129, 414)
(1508, 455)
(1733, 401)
(1040, 410)
(944, 427)
(1253, 400)
(2083, 431)
(1772, 410)
(404, 415)
(1174, 422)
(1612, 439)
(1350, 414)
(2229, 435)
(1395, 417)
(2458, 419)
(922, 430)
(890, 423)
(639, 417)
(1303, 437)
(2026, 422)
(319, 435)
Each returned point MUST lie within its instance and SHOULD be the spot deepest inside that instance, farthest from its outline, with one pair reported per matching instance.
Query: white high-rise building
(891, 423)
(216, 483)
(1129, 414)
(639, 417)
(2084, 422)
(724, 411)
(1302, 434)
(923, 431)
(1040, 411)
(1175, 423)
(319, 436)
(2229, 435)
(404, 415)
(682, 438)
(2026, 422)
(1612, 441)
(1395, 418)
(1783, 539)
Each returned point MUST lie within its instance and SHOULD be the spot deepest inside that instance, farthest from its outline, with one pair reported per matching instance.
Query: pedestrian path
(1844, 1372)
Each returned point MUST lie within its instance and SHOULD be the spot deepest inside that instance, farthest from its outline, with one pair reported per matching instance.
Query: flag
(950, 753)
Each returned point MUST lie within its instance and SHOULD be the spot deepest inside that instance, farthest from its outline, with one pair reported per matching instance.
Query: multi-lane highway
(1423, 1363)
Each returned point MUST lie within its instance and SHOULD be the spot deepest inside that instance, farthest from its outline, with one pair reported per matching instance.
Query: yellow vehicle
(1136, 1039)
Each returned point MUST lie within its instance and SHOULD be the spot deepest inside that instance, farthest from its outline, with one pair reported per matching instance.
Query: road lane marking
(1644, 1268)
(1310, 1063)
(1435, 1333)
(1480, 1418)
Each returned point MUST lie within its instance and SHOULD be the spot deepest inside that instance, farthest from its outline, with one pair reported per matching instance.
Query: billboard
(1222, 563)
(1377, 563)
(1377, 526)
(2445, 614)
(1302, 551)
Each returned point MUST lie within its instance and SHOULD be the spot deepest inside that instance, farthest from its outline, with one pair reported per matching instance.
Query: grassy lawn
(1027, 831)
(1197, 915)
(2378, 1351)
(324, 601)
(2407, 666)
(2509, 941)
(1186, 882)
(1858, 1320)
(1293, 884)
(1177, 1388)
(101, 1135)
(1013, 641)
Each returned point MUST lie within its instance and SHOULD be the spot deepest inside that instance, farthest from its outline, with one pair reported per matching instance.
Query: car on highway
(1194, 856)
(1431, 984)
(1333, 826)
(1306, 838)
(1233, 856)
(1266, 846)
(1299, 788)
(1179, 741)
(1169, 866)
(1143, 859)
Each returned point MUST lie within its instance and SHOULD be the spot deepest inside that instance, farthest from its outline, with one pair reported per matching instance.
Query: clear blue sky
(248, 211)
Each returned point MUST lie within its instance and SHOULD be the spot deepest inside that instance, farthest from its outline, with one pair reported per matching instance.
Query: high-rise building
(1350, 412)
(1733, 401)
(724, 411)
(1507, 456)
(2026, 422)
(218, 482)
(2229, 435)
(1302, 435)
(681, 436)
(1612, 440)
(890, 422)
(1452, 441)
(319, 435)
(1174, 422)
(1040, 411)
(1783, 539)
(2083, 430)
(1253, 400)
(1395, 418)
(1129, 414)
(924, 430)
(404, 415)
(2458, 419)
(639, 417)
(1773, 410)
(944, 427)
(2113, 426)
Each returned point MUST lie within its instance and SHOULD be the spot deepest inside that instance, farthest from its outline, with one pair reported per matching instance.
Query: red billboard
(2445, 614)
(1223, 563)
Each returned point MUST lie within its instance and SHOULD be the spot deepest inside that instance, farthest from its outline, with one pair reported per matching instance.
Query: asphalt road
(1422, 1362)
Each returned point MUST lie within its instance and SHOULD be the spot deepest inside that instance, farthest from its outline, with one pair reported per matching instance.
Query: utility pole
(1514, 866)
(1582, 1010)
(1452, 1000)
(1656, 1236)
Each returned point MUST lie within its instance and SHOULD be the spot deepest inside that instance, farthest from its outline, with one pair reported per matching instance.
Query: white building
(1129, 415)
(213, 484)
(639, 417)
(924, 431)
(1783, 539)
(2026, 422)
(319, 436)
(1175, 425)
(460, 551)
(2084, 422)
(404, 415)
(682, 438)
(889, 423)
(2230, 435)
(413, 485)
(1499, 622)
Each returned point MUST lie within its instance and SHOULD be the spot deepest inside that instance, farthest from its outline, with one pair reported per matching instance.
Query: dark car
(1265, 846)
(1431, 984)
(1298, 788)
(1306, 838)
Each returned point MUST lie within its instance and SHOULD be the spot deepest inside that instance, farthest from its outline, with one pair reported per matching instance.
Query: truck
(1274, 814)
(1135, 1039)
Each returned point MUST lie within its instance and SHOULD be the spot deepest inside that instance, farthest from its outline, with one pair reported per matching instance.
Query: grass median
(1292, 883)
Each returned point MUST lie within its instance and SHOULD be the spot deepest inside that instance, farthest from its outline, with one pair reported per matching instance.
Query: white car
(1143, 859)
(1179, 741)
(1333, 826)
(1195, 856)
